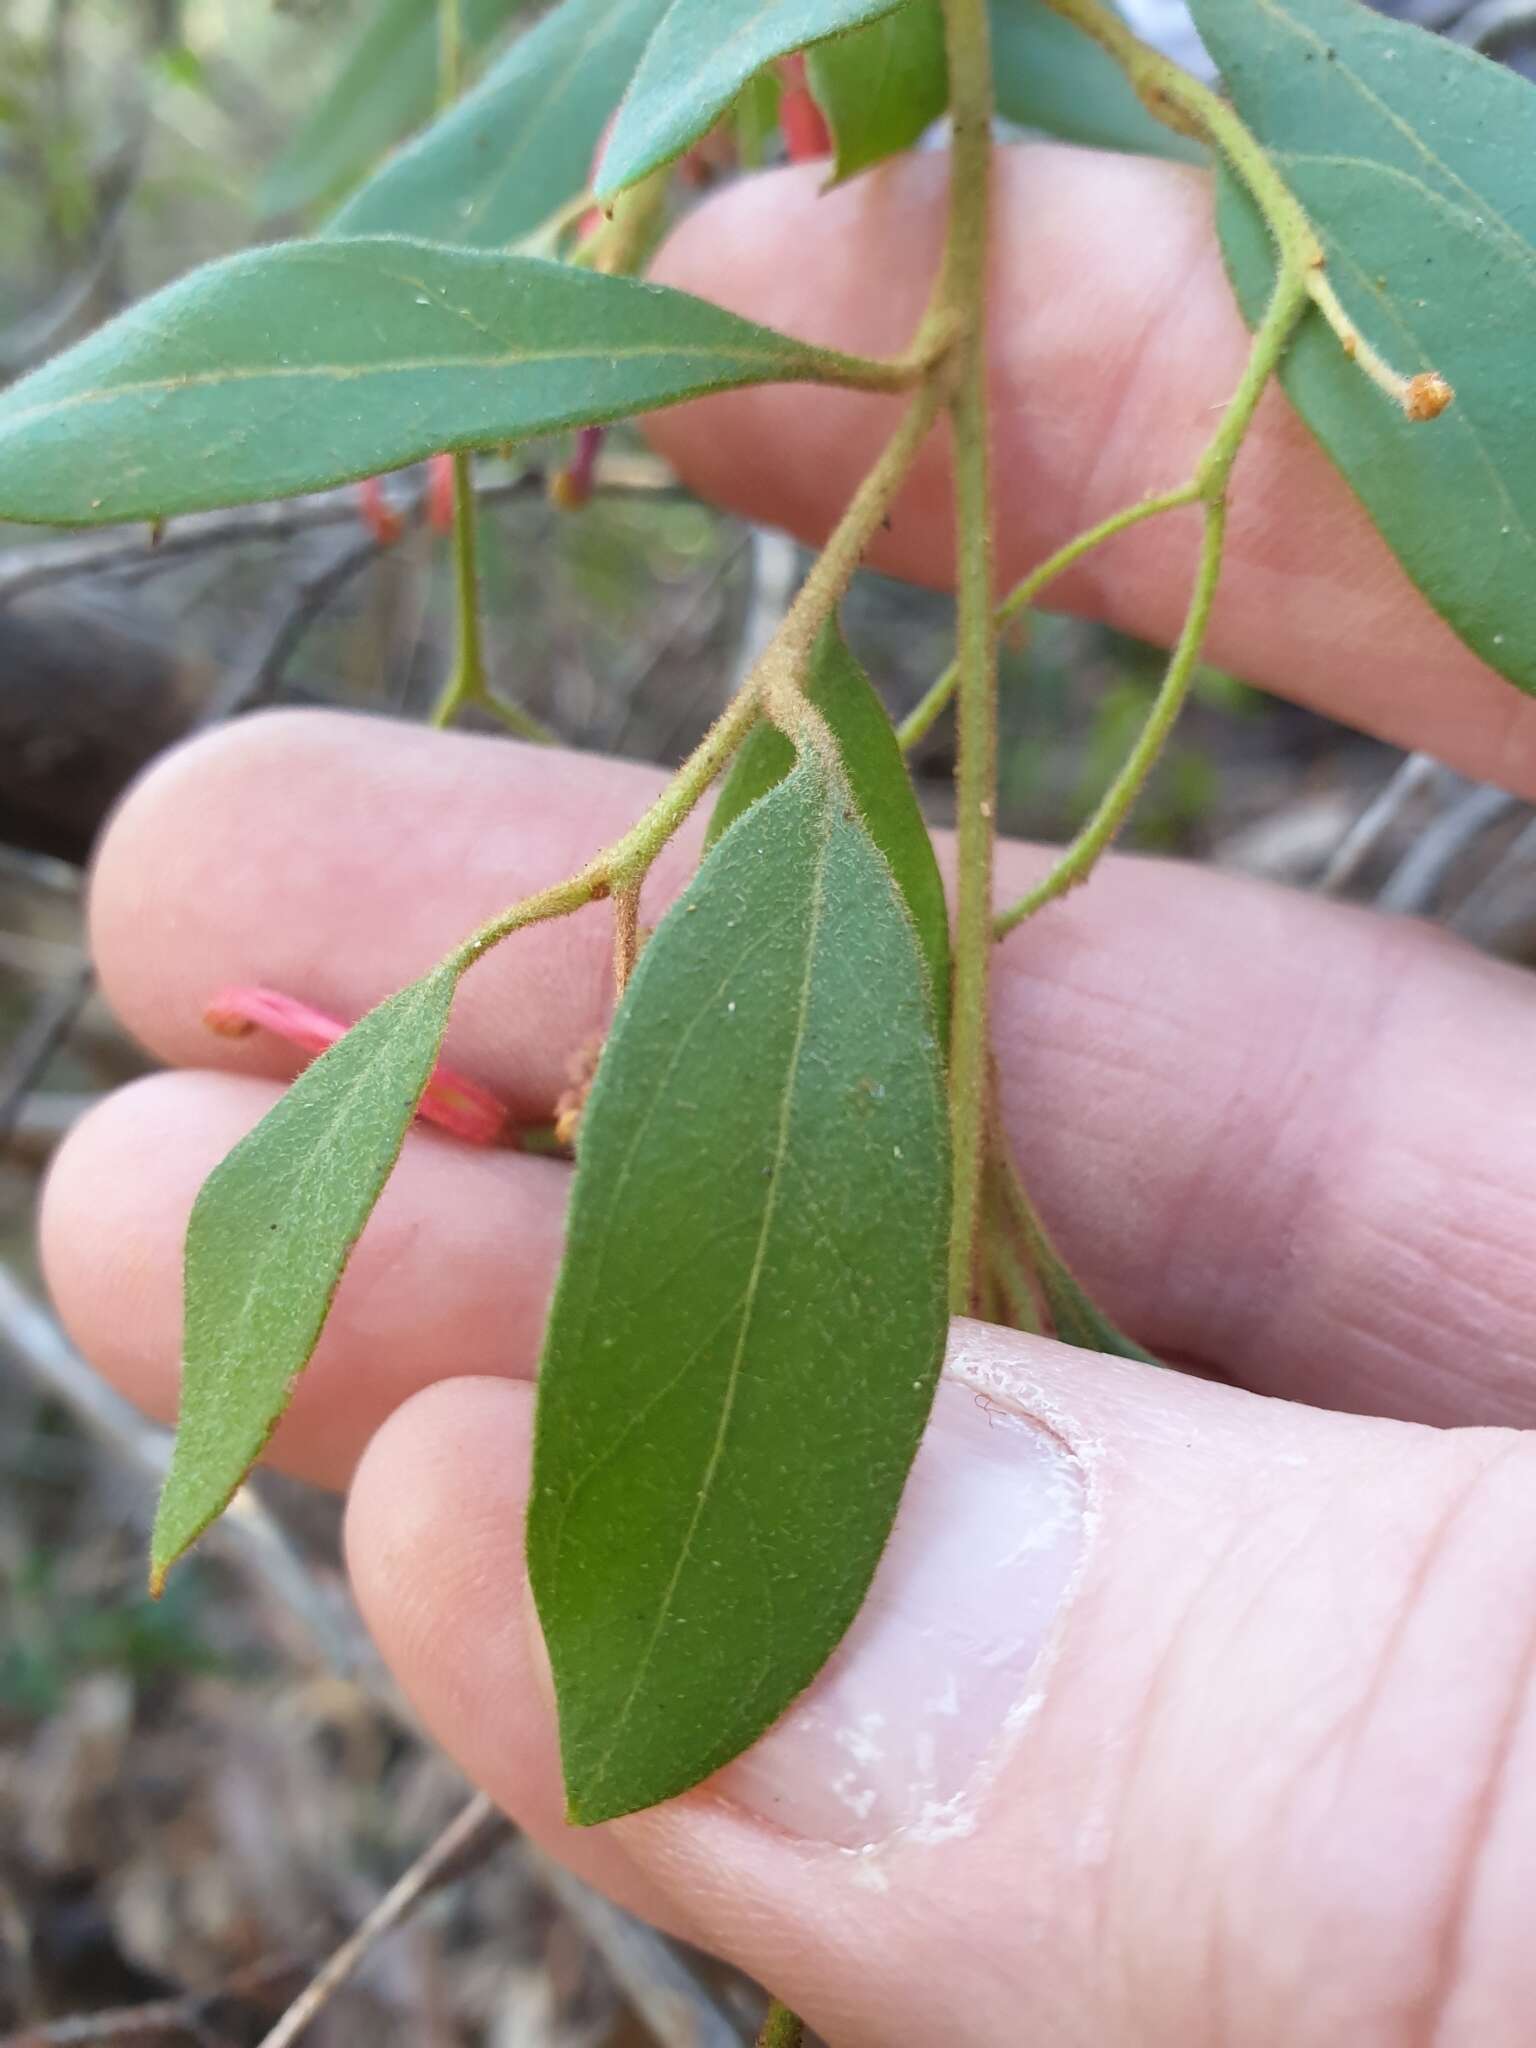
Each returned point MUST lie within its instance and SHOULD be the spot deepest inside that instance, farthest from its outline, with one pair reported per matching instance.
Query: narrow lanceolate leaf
(292, 368)
(750, 1319)
(1414, 159)
(883, 85)
(388, 82)
(1049, 76)
(502, 161)
(268, 1238)
(702, 54)
(882, 789)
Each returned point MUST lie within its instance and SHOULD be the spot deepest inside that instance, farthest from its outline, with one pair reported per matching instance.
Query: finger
(1173, 1716)
(1273, 1134)
(1116, 342)
(451, 1276)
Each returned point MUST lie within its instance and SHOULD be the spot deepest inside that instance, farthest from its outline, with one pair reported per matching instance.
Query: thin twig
(467, 1841)
(678, 2008)
(1414, 884)
(50, 1024)
(1359, 845)
(24, 569)
(184, 2014)
(259, 677)
(663, 1991)
(33, 1339)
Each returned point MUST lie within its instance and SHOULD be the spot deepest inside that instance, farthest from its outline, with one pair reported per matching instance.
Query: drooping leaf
(700, 57)
(749, 1322)
(292, 368)
(388, 82)
(502, 161)
(269, 1237)
(883, 85)
(1413, 157)
(1049, 76)
(882, 789)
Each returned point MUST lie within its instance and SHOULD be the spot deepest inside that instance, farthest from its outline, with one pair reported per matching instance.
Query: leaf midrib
(341, 373)
(749, 1303)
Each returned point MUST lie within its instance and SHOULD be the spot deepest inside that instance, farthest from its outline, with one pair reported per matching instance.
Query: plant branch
(963, 295)
(1208, 485)
(474, 1833)
(926, 714)
(1081, 857)
(625, 864)
(1189, 107)
(466, 684)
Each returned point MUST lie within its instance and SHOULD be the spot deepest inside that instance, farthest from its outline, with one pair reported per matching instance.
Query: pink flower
(451, 1100)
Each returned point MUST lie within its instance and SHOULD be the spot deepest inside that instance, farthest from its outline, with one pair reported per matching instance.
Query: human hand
(1179, 1713)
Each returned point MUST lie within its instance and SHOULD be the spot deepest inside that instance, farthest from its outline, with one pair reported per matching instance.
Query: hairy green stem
(926, 714)
(625, 864)
(1183, 103)
(1081, 857)
(963, 291)
(1209, 486)
(466, 684)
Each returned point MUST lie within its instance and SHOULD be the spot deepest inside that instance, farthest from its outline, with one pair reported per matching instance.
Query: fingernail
(905, 1728)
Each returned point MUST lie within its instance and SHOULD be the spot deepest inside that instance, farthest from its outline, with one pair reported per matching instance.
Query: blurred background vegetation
(197, 1800)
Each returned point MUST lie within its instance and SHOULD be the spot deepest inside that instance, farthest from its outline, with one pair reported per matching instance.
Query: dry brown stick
(180, 2016)
(39, 563)
(466, 1841)
(678, 2008)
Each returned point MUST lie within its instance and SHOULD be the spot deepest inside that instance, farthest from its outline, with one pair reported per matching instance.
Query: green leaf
(750, 1319)
(292, 368)
(883, 85)
(1413, 157)
(502, 161)
(882, 789)
(1050, 77)
(702, 54)
(388, 83)
(269, 1237)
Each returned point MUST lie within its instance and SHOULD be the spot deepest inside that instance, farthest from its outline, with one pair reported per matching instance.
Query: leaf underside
(750, 1318)
(882, 86)
(502, 161)
(700, 57)
(877, 775)
(1049, 76)
(269, 1236)
(296, 367)
(1413, 158)
(388, 81)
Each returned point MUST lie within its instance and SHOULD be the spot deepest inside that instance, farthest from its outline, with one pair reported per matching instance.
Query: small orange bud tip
(1427, 396)
(441, 493)
(565, 492)
(157, 1581)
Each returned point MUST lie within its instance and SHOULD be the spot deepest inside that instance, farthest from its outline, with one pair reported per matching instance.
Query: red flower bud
(457, 1104)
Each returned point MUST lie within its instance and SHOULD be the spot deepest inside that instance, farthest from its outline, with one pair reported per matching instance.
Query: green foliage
(300, 366)
(700, 57)
(269, 1238)
(882, 789)
(882, 85)
(500, 163)
(51, 1636)
(1413, 159)
(388, 82)
(1048, 76)
(750, 1317)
